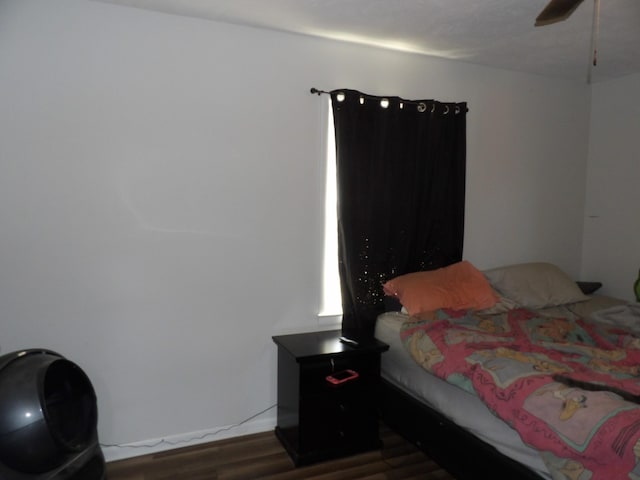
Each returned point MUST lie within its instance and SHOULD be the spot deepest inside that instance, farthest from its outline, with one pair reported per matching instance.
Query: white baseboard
(154, 445)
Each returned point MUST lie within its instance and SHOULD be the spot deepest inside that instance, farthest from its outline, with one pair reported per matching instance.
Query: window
(331, 306)
(415, 155)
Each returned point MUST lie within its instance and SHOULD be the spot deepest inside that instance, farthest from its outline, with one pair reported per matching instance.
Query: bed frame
(459, 452)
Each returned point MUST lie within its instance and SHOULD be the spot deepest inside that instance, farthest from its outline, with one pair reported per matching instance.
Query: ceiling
(496, 33)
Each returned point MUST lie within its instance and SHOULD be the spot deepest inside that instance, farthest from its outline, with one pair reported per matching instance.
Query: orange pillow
(459, 286)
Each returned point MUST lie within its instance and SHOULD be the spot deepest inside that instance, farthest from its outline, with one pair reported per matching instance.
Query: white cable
(188, 440)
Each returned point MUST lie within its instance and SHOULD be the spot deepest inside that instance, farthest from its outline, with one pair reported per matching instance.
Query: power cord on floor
(191, 439)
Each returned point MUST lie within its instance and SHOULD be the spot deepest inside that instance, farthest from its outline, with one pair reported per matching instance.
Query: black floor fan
(48, 419)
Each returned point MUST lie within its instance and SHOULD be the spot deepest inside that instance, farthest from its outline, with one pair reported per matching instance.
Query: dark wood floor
(261, 456)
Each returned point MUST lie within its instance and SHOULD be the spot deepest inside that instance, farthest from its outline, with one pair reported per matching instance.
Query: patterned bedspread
(570, 388)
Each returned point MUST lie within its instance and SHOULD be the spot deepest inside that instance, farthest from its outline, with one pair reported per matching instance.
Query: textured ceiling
(497, 33)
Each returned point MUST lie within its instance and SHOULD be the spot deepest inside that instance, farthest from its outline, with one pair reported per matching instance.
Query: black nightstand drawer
(318, 420)
(328, 420)
(327, 409)
(318, 435)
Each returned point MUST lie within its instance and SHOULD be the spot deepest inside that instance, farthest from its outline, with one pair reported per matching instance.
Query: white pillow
(535, 285)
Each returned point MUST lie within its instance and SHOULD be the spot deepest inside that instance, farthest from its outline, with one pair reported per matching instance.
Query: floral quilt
(569, 387)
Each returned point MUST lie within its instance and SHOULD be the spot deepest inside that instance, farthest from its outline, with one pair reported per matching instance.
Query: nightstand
(318, 420)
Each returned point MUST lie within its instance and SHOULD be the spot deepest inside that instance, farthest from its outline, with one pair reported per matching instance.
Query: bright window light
(331, 294)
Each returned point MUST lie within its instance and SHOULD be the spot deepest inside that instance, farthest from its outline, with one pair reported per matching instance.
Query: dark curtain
(401, 193)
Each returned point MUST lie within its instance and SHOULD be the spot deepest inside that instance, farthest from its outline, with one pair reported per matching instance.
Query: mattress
(465, 409)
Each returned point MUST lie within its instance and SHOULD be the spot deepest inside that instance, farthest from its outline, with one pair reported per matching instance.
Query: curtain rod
(422, 106)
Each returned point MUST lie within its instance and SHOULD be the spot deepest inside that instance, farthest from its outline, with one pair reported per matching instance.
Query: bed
(456, 408)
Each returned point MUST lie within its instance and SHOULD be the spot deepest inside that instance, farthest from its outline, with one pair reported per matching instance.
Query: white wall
(161, 197)
(612, 214)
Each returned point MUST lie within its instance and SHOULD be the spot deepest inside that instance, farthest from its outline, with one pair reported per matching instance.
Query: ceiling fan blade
(556, 11)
